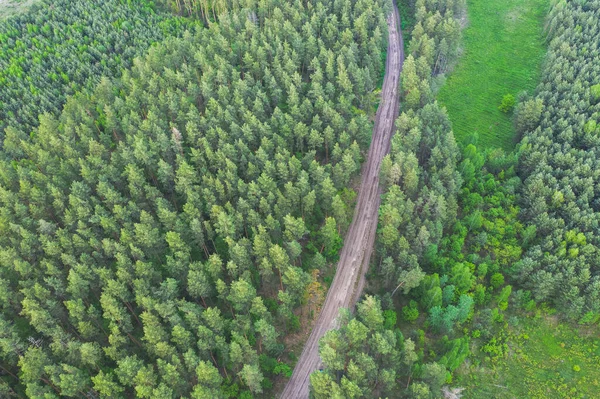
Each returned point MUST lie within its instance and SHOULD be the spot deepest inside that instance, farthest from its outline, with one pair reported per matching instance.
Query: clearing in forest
(543, 358)
(10, 7)
(503, 51)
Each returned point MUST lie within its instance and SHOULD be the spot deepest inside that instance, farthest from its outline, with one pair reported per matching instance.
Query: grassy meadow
(543, 358)
(503, 49)
(11, 7)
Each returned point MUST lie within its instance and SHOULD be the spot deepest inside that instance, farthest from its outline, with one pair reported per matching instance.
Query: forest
(177, 177)
(159, 232)
(59, 48)
(460, 229)
(560, 166)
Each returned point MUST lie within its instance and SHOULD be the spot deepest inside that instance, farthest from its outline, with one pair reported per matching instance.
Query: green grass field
(503, 52)
(546, 359)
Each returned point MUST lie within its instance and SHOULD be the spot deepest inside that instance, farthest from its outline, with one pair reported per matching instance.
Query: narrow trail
(349, 279)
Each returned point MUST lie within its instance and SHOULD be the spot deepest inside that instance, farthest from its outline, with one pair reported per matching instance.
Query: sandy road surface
(349, 279)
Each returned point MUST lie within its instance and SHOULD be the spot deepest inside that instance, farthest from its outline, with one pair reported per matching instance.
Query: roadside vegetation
(502, 54)
(407, 20)
(369, 356)
(492, 289)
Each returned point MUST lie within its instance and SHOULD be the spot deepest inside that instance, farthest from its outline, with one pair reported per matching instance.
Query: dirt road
(349, 279)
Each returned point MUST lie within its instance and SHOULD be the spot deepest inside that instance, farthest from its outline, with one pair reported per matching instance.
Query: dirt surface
(349, 280)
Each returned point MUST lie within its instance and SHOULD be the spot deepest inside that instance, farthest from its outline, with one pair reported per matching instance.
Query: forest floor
(349, 279)
(11, 7)
(503, 49)
(545, 359)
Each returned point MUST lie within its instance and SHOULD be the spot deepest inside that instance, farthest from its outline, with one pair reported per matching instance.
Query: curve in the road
(349, 279)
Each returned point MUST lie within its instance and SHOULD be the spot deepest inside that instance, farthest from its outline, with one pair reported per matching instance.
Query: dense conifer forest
(560, 166)
(58, 48)
(158, 234)
(177, 177)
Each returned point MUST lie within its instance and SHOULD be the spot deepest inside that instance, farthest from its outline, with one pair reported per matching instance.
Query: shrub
(507, 104)
(497, 280)
(390, 318)
(411, 312)
(595, 91)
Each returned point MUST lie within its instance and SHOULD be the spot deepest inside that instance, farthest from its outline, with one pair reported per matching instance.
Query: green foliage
(457, 350)
(503, 296)
(497, 280)
(283, 369)
(364, 357)
(169, 216)
(444, 319)
(431, 292)
(411, 312)
(462, 277)
(589, 318)
(464, 268)
(527, 115)
(391, 318)
(485, 245)
(504, 49)
(421, 180)
(561, 264)
(595, 92)
(80, 41)
(407, 18)
(332, 241)
(495, 348)
(434, 374)
(544, 359)
(508, 103)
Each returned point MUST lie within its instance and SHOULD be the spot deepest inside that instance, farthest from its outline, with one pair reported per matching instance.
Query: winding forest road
(349, 279)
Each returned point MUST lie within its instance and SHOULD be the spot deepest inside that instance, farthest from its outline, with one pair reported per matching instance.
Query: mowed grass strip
(504, 46)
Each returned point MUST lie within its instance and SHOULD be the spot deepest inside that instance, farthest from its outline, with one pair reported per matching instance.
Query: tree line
(460, 229)
(559, 163)
(157, 236)
(368, 356)
(420, 174)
